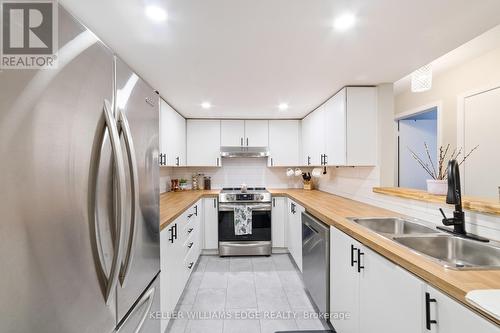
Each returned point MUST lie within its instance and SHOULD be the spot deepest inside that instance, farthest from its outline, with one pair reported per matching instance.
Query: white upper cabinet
(173, 136)
(284, 143)
(342, 131)
(256, 133)
(335, 118)
(232, 133)
(351, 127)
(361, 124)
(313, 137)
(243, 133)
(203, 142)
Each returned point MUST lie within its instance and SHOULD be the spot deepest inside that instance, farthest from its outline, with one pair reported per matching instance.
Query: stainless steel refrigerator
(79, 199)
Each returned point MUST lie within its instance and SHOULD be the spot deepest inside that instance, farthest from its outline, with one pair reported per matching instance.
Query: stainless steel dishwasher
(316, 260)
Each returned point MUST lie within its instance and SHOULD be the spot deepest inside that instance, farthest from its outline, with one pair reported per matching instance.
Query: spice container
(207, 183)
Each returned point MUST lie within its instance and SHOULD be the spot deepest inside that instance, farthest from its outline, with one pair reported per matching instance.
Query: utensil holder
(308, 185)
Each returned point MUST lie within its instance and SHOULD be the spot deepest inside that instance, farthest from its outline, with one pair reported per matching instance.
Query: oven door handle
(253, 207)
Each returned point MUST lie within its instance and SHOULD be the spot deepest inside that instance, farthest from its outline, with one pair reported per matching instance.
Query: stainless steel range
(258, 241)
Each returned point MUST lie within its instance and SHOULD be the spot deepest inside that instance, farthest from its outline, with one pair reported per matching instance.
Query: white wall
(447, 86)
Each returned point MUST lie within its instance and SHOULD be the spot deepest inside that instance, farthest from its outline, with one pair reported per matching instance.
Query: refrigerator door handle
(108, 282)
(134, 186)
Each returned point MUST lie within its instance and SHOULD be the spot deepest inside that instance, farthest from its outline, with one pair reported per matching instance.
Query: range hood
(244, 152)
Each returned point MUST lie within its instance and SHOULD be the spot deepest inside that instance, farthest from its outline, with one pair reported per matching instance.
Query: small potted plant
(183, 184)
(438, 184)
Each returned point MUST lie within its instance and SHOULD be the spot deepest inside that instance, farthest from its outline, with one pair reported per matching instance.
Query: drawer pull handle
(190, 245)
(191, 264)
(190, 230)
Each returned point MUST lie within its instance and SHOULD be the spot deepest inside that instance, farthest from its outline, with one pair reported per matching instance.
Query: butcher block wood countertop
(473, 204)
(334, 211)
(173, 204)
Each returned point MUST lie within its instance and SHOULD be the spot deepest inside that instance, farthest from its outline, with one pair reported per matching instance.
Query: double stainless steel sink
(448, 250)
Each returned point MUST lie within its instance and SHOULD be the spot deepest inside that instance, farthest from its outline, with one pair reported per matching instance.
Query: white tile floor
(267, 290)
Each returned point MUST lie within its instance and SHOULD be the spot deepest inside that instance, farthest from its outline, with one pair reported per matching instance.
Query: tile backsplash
(233, 173)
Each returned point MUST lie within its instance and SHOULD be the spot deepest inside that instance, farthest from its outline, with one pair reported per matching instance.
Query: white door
(344, 282)
(210, 223)
(284, 142)
(335, 133)
(390, 297)
(278, 221)
(203, 142)
(361, 126)
(481, 124)
(232, 133)
(256, 133)
(453, 317)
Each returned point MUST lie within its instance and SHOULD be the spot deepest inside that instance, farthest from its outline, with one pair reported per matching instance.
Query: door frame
(461, 117)
(416, 111)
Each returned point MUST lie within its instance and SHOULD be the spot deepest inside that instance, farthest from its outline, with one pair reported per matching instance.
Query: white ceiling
(247, 56)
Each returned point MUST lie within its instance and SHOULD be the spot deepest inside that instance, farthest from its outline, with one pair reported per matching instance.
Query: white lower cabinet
(294, 231)
(344, 282)
(379, 296)
(210, 223)
(278, 220)
(448, 316)
(180, 245)
(390, 298)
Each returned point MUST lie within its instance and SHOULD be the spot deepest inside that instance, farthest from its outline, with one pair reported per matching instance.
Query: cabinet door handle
(241, 141)
(308, 160)
(190, 216)
(321, 159)
(215, 203)
(360, 267)
(428, 320)
(171, 238)
(326, 159)
(274, 202)
(190, 245)
(272, 164)
(190, 230)
(353, 261)
(190, 265)
(217, 163)
(247, 142)
(196, 210)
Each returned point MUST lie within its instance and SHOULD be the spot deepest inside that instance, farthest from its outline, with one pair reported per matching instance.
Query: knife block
(308, 185)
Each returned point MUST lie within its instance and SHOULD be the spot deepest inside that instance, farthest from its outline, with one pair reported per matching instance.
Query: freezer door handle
(147, 299)
(108, 282)
(134, 188)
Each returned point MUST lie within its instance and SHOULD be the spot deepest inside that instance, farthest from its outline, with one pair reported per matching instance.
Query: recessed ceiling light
(283, 106)
(156, 13)
(206, 105)
(344, 22)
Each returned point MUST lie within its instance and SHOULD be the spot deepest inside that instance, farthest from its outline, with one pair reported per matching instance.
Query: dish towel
(487, 299)
(242, 220)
